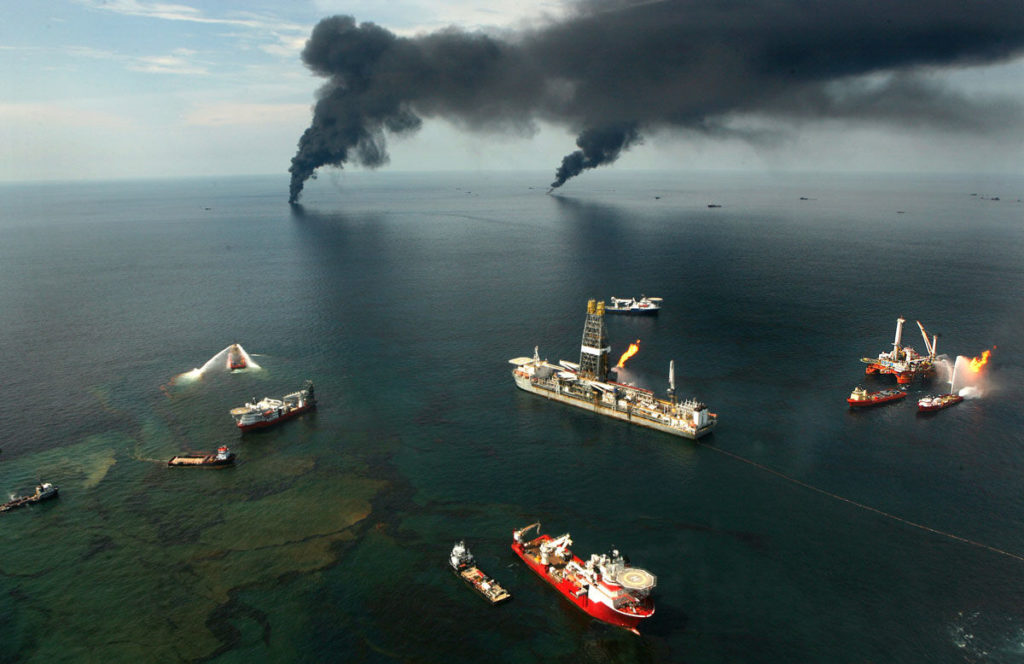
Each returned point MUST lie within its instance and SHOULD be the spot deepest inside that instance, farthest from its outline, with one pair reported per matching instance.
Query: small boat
(236, 360)
(937, 402)
(267, 411)
(223, 457)
(44, 491)
(464, 565)
(645, 306)
(861, 398)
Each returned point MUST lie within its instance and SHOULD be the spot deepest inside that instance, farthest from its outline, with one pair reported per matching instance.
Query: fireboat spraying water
(233, 359)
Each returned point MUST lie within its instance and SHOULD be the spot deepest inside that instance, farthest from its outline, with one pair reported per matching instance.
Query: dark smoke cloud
(616, 68)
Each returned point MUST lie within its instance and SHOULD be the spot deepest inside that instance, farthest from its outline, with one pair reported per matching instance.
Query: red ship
(903, 361)
(267, 412)
(929, 404)
(236, 360)
(604, 587)
(860, 397)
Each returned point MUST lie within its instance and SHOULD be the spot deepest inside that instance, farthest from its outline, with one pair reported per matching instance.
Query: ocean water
(798, 532)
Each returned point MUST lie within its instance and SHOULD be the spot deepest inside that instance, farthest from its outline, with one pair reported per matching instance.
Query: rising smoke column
(616, 69)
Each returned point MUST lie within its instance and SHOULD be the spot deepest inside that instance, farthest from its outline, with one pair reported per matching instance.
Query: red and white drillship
(605, 587)
(267, 412)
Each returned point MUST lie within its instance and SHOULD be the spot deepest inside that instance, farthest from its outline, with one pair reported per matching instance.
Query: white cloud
(233, 114)
(166, 64)
(50, 114)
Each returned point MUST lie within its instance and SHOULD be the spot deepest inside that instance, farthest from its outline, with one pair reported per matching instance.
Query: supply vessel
(861, 398)
(223, 457)
(903, 361)
(464, 565)
(236, 360)
(645, 306)
(268, 412)
(586, 385)
(605, 586)
(44, 491)
(937, 402)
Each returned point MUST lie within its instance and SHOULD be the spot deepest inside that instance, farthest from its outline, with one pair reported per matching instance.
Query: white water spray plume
(220, 360)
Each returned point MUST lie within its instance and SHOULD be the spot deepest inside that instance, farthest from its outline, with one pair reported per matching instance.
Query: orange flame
(978, 362)
(630, 352)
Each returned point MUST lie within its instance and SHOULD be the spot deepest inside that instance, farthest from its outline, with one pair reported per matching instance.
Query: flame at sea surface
(968, 379)
(217, 361)
(976, 363)
(630, 352)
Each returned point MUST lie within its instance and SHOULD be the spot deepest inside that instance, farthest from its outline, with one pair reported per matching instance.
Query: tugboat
(604, 587)
(223, 457)
(464, 565)
(44, 491)
(861, 398)
(938, 402)
(267, 412)
(236, 360)
(645, 306)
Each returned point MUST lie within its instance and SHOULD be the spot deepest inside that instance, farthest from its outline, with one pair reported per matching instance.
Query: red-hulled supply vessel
(236, 360)
(903, 361)
(861, 398)
(938, 402)
(604, 587)
(268, 412)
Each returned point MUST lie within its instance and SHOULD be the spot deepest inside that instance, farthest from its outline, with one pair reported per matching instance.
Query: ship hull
(567, 589)
(947, 401)
(867, 403)
(263, 424)
(524, 383)
(632, 312)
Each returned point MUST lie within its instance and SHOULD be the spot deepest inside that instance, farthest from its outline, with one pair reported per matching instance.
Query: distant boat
(630, 305)
(860, 397)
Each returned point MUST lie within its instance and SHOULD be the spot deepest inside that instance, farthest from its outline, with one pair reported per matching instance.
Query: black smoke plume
(615, 68)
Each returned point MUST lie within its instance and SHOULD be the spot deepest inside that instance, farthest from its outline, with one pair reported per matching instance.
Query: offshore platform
(903, 361)
(587, 385)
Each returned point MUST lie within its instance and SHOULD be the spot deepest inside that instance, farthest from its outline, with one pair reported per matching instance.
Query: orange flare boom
(630, 352)
(978, 362)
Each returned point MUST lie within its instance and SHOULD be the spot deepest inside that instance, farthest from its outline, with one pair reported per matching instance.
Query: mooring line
(862, 506)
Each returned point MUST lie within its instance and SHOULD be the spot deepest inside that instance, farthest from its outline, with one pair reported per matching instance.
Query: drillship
(605, 587)
(586, 385)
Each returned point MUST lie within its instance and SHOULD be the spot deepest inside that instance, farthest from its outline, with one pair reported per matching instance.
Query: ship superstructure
(903, 361)
(268, 411)
(586, 385)
(604, 586)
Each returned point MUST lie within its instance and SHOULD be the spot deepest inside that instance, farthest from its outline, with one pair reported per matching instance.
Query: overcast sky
(130, 88)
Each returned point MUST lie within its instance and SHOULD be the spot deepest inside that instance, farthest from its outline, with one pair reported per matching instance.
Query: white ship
(586, 385)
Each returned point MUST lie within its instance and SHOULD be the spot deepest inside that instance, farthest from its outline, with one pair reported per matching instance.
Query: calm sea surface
(792, 534)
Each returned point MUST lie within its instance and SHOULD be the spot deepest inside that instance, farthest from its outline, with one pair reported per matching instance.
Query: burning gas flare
(630, 352)
(978, 362)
